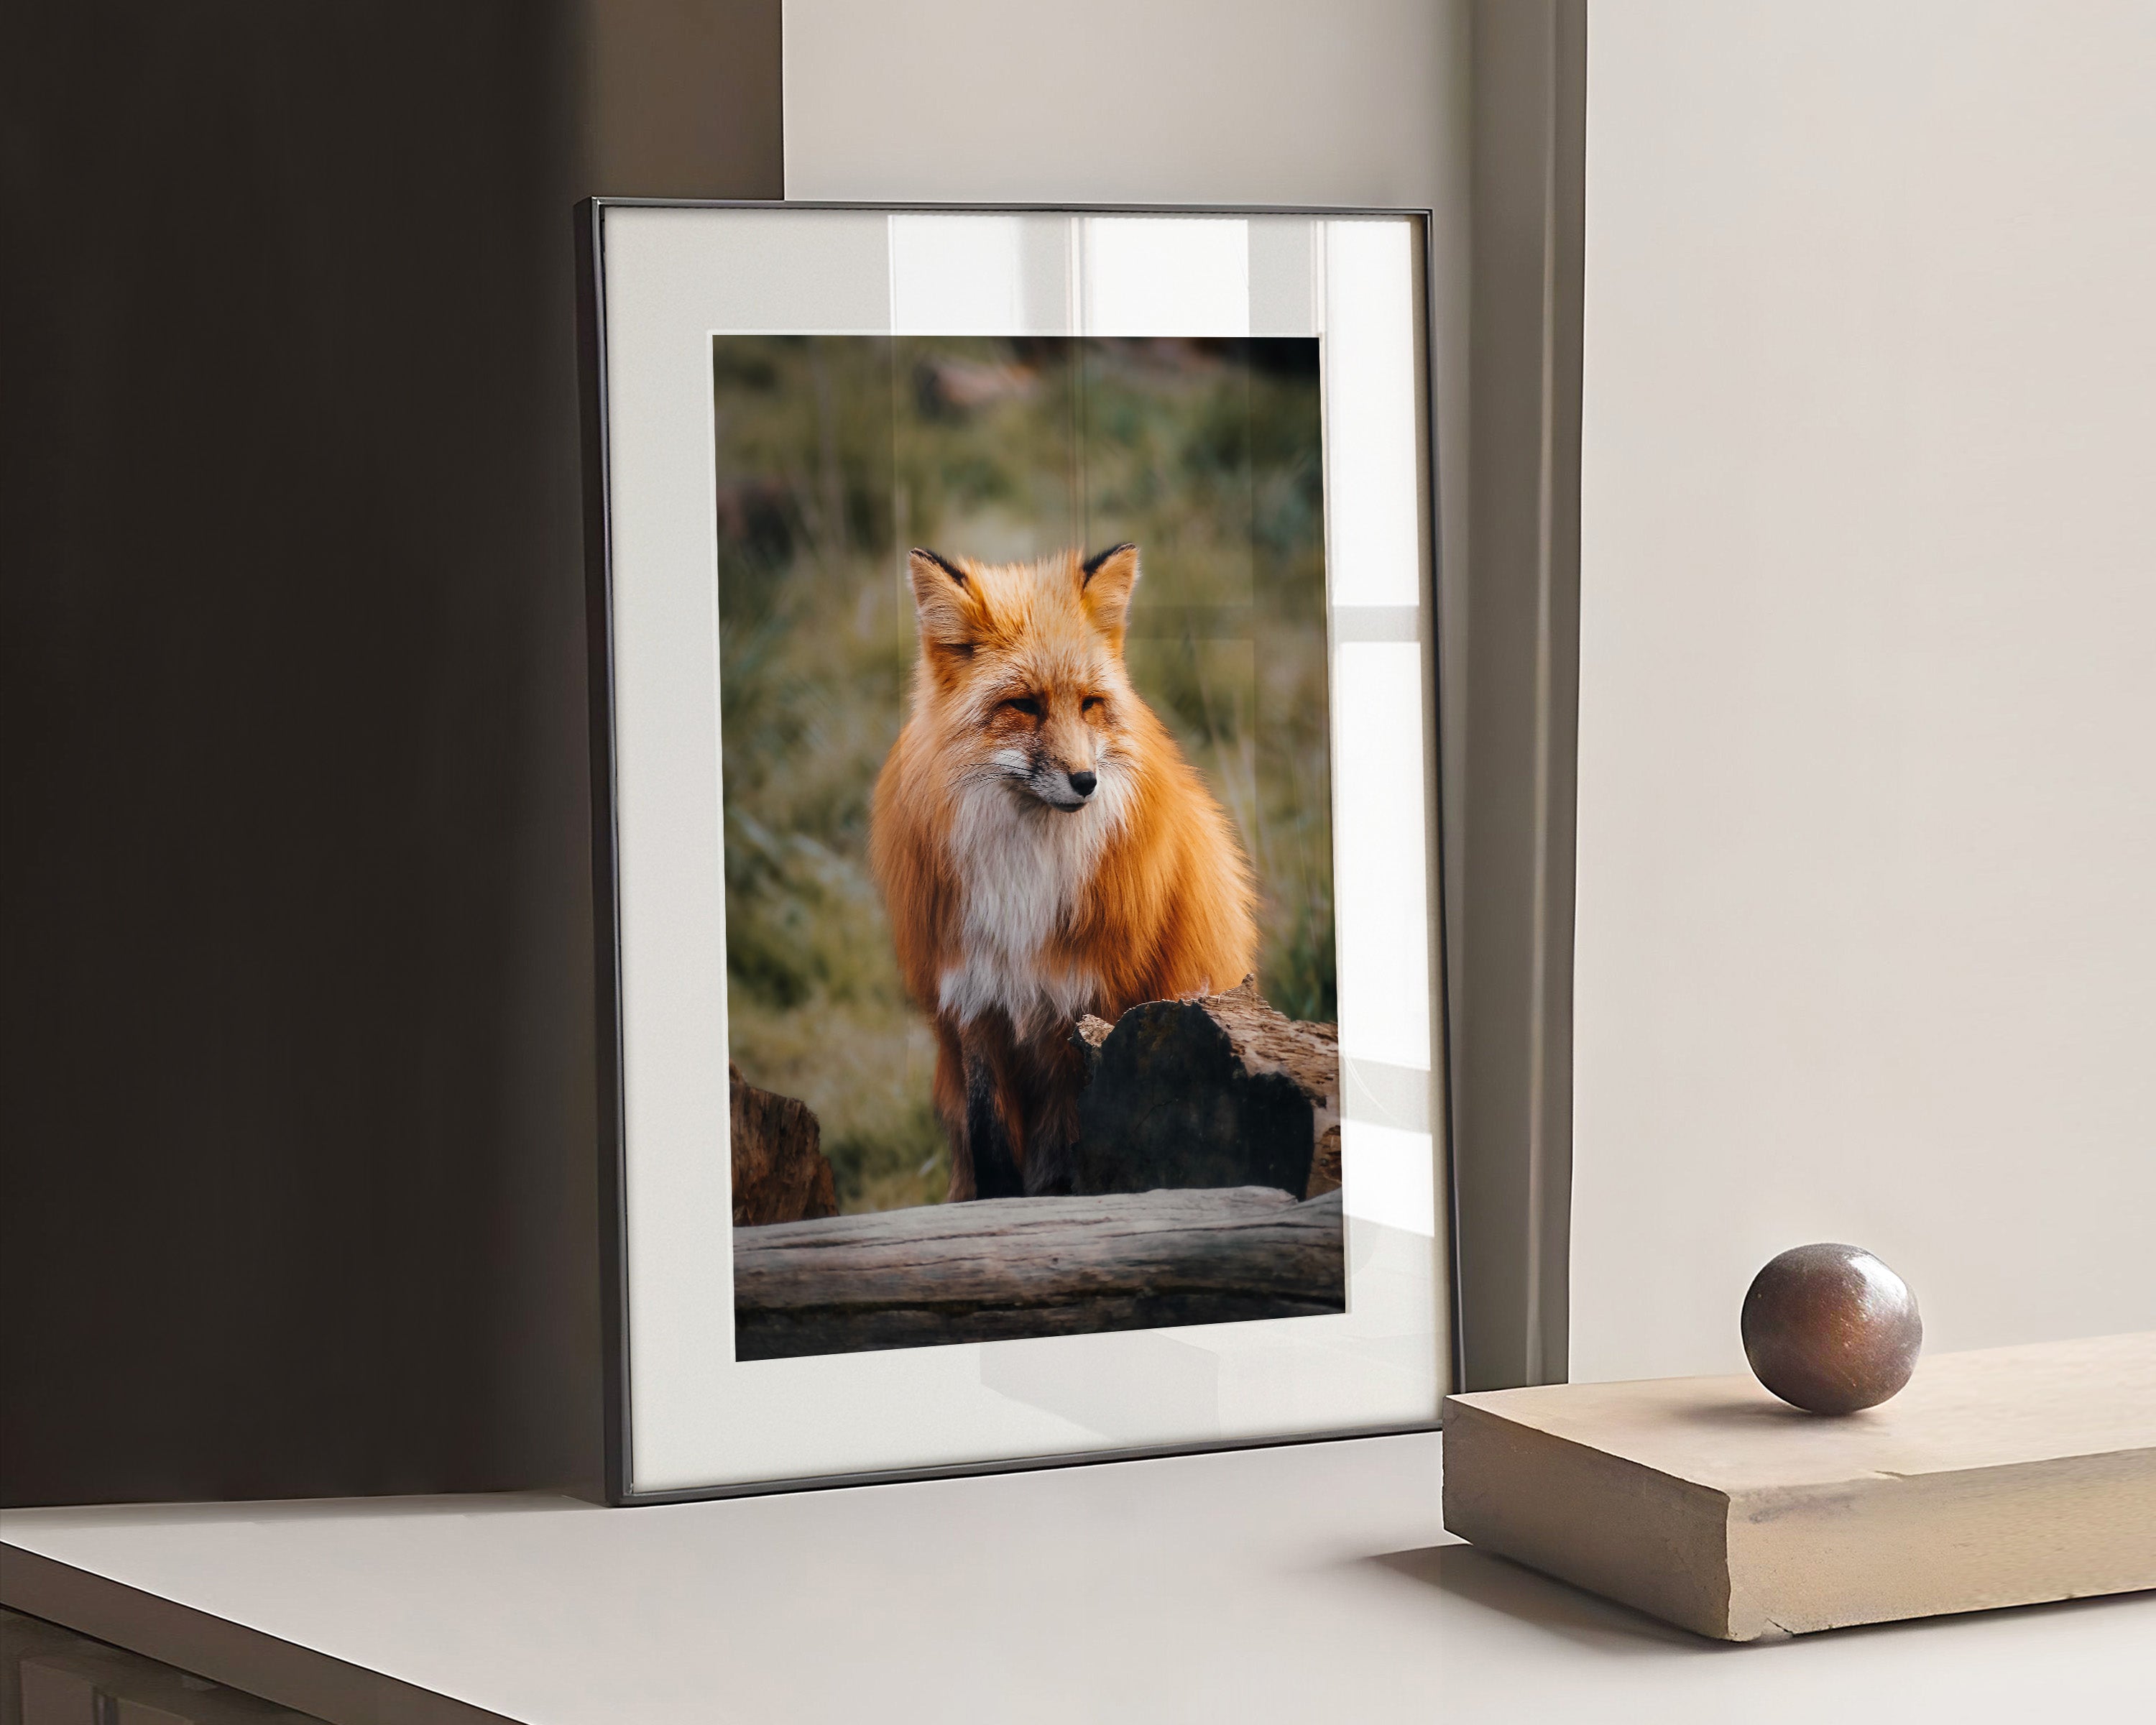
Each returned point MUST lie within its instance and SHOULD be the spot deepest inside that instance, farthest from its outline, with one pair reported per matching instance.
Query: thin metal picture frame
(611, 1139)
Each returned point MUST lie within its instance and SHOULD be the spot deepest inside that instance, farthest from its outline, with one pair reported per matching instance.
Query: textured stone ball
(1831, 1329)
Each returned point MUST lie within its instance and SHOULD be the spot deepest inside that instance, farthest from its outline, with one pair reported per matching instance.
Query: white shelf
(1306, 1583)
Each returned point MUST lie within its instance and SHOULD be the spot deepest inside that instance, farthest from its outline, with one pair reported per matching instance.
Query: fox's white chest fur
(1022, 869)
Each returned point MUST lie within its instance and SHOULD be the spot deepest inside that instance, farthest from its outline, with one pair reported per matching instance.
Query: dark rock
(1220, 1091)
(781, 1173)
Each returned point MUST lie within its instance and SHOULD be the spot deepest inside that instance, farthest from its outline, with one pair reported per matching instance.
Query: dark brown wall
(296, 1115)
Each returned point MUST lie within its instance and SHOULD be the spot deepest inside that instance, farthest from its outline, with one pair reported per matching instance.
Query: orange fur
(1044, 850)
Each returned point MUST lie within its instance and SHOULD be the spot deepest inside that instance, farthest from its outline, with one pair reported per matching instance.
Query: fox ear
(943, 599)
(1106, 581)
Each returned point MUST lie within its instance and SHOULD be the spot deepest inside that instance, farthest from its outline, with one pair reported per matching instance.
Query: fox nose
(1083, 783)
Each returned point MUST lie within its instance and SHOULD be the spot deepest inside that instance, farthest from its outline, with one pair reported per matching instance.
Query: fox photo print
(1028, 837)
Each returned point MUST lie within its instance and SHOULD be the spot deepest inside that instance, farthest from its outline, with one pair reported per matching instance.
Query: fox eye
(1025, 704)
(1090, 703)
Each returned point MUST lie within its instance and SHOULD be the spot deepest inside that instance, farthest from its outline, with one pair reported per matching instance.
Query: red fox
(1044, 850)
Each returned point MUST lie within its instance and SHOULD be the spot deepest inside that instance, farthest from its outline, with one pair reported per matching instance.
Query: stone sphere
(1830, 1329)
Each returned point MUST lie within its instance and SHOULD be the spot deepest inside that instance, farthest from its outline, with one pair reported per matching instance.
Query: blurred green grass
(835, 454)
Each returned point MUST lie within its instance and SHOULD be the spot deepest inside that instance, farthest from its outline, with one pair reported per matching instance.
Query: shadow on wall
(297, 1068)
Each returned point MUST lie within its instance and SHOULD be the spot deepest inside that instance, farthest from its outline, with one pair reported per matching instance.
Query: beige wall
(1144, 101)
(1867, 803)
(1870, 580)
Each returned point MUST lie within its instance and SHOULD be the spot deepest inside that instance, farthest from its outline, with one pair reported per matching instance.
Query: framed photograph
(1015, 740)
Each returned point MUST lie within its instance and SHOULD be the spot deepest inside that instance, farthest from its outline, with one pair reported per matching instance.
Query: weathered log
(999, 1269)
(781, 1173)
(1218, 1091)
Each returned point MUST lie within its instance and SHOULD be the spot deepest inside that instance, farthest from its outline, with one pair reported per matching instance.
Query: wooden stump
(999, 1269)
(1325, 1165)
(781, 1173)
(1221, 1091)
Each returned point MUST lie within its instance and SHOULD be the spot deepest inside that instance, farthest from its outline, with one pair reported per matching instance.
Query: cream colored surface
(1991, 1407)
(1866, 939)
(1299, 1584)
(1999, 1477)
